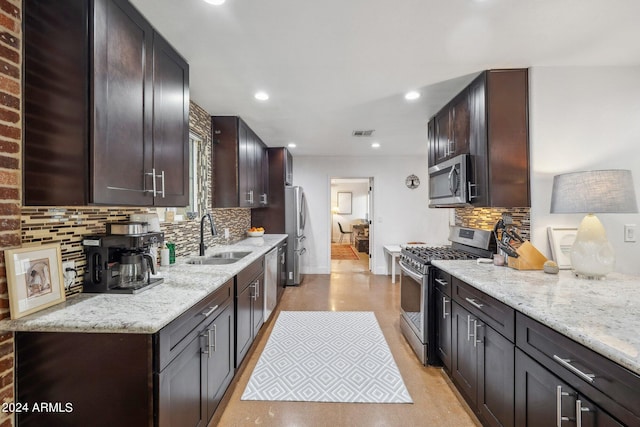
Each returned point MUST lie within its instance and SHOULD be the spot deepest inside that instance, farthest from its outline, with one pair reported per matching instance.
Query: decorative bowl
(255, 233)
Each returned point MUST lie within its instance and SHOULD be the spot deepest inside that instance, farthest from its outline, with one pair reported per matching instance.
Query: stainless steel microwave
(449, 183)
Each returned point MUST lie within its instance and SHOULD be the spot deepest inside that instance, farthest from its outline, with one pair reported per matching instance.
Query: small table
(394, 252)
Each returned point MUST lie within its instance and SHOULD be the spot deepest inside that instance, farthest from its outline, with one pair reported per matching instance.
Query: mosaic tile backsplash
(486, 218)
(68, 225)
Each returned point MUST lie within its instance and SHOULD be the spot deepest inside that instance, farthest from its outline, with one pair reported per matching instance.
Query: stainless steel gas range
(417, 310)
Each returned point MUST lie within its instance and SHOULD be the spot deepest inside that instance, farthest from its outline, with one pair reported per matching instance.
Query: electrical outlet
(629, 232)
(69, 273)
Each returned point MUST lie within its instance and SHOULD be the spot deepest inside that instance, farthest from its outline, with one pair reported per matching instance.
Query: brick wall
(10, 177)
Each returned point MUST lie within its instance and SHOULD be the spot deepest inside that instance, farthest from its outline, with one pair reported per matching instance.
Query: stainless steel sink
(220, 258)
(229, 255)
(212, 261)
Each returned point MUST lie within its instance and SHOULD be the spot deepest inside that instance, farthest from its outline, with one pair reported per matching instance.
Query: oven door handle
(415, 276)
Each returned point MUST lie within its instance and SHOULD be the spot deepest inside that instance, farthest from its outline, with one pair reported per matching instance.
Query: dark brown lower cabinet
(482, 367)
(443, 327)
(191, 387)
(173, 378)
(543, 379)
(542, 400)
(249, 303)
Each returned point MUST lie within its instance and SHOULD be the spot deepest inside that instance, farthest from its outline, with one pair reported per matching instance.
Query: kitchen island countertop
(603, 315)
(149, 311)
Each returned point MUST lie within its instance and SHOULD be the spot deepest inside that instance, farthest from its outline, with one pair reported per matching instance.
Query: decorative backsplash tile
(486, 218)
(68, 225)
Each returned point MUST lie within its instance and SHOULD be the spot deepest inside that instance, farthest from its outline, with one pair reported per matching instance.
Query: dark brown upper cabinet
(489, 121)
(106, 103)
(240, 165)
(272, 218)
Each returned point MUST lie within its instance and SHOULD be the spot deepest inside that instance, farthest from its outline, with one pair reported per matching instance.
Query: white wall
(359, 206)
(400, 214)
(584, 118)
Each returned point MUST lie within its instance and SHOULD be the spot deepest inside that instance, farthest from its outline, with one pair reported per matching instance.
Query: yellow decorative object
(529, 258)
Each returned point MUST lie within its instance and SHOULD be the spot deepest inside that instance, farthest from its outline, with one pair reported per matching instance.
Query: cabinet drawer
(613, 387)
(176, 335)
(488, 309)
(246, 276)
(442, 281)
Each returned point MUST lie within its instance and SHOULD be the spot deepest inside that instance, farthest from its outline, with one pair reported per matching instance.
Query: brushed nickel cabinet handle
(567, 364)
(441, 282)
(559, 417)
(210, 311)
(444, 307)
(579, 410)
(474, 303)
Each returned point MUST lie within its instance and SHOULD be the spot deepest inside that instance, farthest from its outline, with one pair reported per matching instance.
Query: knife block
(529, 258)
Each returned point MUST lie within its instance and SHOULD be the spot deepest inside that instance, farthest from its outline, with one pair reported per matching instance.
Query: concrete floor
(350, 287)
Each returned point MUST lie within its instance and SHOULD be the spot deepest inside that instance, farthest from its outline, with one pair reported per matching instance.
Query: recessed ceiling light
(215, 2)
(375, 145)
(291, 145)
(410, 96)
(261, 96)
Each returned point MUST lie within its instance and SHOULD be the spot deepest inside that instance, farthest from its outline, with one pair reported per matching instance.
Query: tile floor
(350, 287)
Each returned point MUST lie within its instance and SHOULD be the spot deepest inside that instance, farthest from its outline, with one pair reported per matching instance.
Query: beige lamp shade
(599, 191)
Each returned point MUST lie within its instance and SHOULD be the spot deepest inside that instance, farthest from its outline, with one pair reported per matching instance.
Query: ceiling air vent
(363, 132)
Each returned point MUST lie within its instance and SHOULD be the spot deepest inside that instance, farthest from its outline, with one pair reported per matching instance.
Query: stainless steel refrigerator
(295, 210)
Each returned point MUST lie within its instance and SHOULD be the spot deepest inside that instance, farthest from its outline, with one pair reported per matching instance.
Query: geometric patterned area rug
(327, 356)
(343, 252)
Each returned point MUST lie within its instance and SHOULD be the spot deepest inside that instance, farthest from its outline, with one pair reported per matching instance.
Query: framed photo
(561, 240)
(344, 203)
(34, 278)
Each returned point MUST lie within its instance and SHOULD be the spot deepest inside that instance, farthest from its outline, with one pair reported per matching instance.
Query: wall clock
(412, 181)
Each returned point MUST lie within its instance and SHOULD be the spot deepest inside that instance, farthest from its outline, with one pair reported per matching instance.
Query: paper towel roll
(164, 257)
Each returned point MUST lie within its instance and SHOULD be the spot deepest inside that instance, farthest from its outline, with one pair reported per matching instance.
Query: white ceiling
(334, 66)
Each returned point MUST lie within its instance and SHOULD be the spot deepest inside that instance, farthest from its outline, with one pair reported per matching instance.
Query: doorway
(351, 227)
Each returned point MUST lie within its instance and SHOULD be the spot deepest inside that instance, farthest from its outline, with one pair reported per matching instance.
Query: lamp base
(592, 256)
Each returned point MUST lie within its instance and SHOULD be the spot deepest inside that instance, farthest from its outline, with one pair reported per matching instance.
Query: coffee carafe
(136, 269)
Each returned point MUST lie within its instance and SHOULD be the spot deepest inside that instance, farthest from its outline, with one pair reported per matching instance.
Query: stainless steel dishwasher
(270, 282)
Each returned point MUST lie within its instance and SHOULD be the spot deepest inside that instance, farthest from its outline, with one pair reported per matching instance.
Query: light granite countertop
(603, 315)
(149, 311)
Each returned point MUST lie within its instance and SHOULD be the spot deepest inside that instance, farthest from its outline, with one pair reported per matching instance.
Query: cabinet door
(443, 327)
(262, 173)
(442, 136)
(495, 377)
(181, 391)
(244, 325)
(258, 304)
(431, 141)
(170, 124)
(478, 142)
(244, 165)
(464, 366)
(536, 396)
(122, 98)
(219, 359)
(460, 124)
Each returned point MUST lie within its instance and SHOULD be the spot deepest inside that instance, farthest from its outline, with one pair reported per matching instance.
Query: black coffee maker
(120, 263)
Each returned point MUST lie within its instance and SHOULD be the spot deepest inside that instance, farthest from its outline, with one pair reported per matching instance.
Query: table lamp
(591, 192)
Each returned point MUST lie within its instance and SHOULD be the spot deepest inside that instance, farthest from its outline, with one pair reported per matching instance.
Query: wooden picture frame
(344, 203)
(34, 278)
(561, 239)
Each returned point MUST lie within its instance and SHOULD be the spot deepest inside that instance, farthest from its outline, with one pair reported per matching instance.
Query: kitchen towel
(327, 356)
